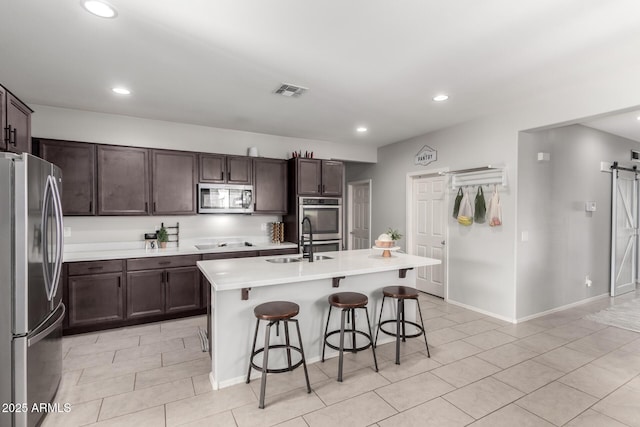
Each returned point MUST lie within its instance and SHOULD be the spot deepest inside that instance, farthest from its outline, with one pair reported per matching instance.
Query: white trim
(409, 217)
(478, 310)
(564, 307)
(350, 209)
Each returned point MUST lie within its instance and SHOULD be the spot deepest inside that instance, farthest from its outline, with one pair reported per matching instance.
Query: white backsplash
(112, 229)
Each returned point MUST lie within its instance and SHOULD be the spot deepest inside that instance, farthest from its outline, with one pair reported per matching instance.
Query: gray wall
(481, 258)
(565, 242)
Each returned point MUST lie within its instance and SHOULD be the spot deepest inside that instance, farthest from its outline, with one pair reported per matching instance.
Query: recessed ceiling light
(99, 8)
(439, 98)
(121, 91)
(361, 129)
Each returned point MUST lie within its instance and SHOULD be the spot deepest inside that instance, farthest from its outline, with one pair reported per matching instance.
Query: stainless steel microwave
(225, 198)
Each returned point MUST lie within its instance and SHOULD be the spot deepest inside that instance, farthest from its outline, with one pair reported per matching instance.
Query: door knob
(442, 243)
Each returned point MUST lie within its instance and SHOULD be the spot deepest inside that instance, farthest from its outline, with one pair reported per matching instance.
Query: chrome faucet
(310, 254)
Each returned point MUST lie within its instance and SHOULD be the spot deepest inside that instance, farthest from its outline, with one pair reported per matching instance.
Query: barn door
(624, 231)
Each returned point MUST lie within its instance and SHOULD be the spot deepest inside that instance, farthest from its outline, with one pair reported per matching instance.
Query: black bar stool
(401, 293)
(348, 302)
(274, 313)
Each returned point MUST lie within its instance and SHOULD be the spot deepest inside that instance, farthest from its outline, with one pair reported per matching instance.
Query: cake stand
(386, 252)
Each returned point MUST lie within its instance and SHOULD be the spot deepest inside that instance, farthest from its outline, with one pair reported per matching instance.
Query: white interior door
(429, 231)
(360, 221)
(624, 233)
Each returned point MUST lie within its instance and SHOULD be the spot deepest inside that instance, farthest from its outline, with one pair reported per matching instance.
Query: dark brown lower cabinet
(182, 289)
(113, 293)
(94, 293)
(96, 299)
(156, 292)
(145, 293)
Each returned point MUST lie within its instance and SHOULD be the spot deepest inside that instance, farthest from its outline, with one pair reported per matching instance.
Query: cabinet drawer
(94, 267)
(229, 255)
(271, 252)
(162, 262)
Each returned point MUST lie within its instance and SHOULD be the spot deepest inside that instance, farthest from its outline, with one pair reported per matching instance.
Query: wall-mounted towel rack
(483, 175)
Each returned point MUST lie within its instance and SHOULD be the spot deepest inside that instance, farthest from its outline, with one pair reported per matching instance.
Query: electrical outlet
(67, 231)
(263, 226)
(587, 281)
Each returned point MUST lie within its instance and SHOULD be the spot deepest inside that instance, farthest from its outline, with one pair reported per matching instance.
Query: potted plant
(394, 234)
(163, 237)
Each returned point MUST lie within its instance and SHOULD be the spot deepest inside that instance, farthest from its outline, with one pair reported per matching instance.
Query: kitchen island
(238, 285)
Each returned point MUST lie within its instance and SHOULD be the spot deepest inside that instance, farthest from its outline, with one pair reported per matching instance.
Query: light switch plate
(590, 206)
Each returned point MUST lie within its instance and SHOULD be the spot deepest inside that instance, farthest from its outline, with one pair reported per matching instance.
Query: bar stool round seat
(275, 312)
(348, 302)
(404, 292)
(401, 293)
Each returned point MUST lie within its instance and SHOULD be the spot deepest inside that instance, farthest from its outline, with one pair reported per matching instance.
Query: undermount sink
(283, 260)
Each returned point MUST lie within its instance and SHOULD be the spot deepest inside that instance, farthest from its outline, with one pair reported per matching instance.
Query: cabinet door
(123, 180)
(239, 170)
(4, 141)
(174, 179)
(212, 168)
(145, 293)
(19, 123)
(183, 289)
(77, 162)
(309, 173)
(332, 172)
(96, 298)
(270, 185)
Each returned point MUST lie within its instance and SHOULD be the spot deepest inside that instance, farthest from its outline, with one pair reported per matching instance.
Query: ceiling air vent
(291, 90)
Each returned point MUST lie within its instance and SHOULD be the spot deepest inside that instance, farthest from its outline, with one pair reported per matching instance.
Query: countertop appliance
(31, 309)
(225, 198)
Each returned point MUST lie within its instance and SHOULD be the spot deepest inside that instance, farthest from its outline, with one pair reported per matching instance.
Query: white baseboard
(564, 307)
(478, 310)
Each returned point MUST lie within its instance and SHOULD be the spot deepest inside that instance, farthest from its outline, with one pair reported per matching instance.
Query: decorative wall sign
(425, 156)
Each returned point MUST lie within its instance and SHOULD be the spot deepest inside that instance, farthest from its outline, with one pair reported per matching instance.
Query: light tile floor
(557, 370)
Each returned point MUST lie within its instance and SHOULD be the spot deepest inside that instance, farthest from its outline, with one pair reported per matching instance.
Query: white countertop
(240, 273)
(98, 252)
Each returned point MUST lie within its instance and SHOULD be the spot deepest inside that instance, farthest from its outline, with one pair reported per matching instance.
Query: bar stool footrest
(393, 334)
(278, 370)
(349, 349)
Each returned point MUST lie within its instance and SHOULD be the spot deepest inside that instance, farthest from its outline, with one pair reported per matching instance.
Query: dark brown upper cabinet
(123, 180)
(15, 123)
(332, 172)
(315, 177)
(218, 168)
(270, 185)
(174, 181)
(77, 161)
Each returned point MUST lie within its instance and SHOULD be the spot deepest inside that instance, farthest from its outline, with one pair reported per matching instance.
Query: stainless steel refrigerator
(31, 309)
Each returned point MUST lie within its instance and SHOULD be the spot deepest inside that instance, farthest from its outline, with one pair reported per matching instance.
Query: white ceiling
(375, 63)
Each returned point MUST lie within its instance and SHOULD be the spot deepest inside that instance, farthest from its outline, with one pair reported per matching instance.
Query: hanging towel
(494, 210)
(481, 207)
(465, 215)
(456, 204)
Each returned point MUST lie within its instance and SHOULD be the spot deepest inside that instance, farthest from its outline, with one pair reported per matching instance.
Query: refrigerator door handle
(57, 205)
(44, 333)
(44, 227)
